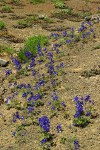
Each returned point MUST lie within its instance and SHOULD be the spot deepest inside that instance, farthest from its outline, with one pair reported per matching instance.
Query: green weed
(59, 4)
(31, 45)
(81, 121)
(97, 46)
(2, 25)
(28, 22)
(37, 1)
(7, 49)
(6, 9)
(16, 2)
(90, 73)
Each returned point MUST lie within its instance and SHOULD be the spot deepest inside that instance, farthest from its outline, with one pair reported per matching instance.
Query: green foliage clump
(81, 121)
(6, 9)
(7, 49)
(31, 45)
(16, 2)
(90, 73)
(59, 4)
(2, 25)
(37, 1)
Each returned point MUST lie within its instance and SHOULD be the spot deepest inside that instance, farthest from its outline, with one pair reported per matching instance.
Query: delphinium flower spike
(76, 145)
(44, 123)
(59, 128)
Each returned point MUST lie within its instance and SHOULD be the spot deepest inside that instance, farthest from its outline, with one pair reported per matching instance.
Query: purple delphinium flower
(22, 86)
(76, 145)
(49, 103)
(89, 23)
(16, 63)
(8, 72)
(64, 33)
(88, 113)
(33, 72)
(53, 83)
(62, 64)
(37, 96)
(44, 123)
(14, 133)
(54, 96)
(32, 62)
(41, 82)
(76, 99)
(30, 109)
(83, 36)
(63, 104)
(43, 141)
(24, 94)
(53, 108)
(17, 115)
(28, 86)
(59, 128)
(54, 35)
(87, 98)
(28, 54)
(39, 62)
(51, 70)
(40, 50)
(30, 98)
(79, 107)
(68, 41)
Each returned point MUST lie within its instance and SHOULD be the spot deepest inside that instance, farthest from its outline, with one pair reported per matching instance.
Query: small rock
(41, 16)
(88, 18)
(3, 62)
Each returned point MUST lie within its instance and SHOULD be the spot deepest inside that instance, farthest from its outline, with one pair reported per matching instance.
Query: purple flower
(24, 94)
(53, 108)
(40, 50)
(8, 72)
(68, 41)
(83, 36)
(49, 103)
(87, 98)
(59, 128)
(54, 96)
(36, 97)
(22, 86)
(17, 115)
(63, 104)
(32, 62)
(64, 33)
(79, 107)
(30, 98)
(88, 113)
(16, 63)
(62, 64)
(14, 133)
(43, 141)
(33, 72)
(76, 145)
(28, 54)
(30, 109)
(76, 99)
(89, 23)
(28, 86)
(55, 35)
(44, 123)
